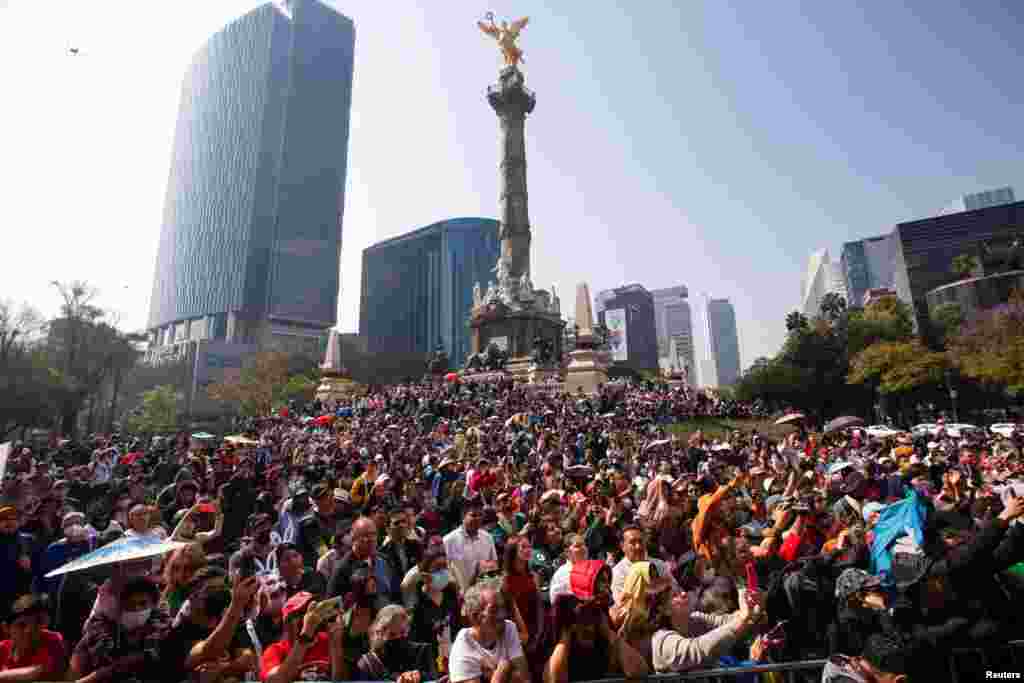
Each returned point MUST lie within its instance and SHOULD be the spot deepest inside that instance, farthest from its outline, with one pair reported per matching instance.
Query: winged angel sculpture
(506, 36)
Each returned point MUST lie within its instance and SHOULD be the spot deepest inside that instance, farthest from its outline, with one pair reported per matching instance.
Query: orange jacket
(708, 534)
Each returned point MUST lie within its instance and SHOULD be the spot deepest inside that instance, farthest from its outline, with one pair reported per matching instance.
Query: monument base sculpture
(336, 388)
(587, 371)
(515, 332)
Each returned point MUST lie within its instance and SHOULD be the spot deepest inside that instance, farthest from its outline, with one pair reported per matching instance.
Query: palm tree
(796, 321)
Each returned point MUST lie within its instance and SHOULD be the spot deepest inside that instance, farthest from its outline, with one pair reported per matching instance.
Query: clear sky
(713, 144)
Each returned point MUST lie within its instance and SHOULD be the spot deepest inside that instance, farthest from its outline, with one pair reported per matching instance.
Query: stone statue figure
(478, 297)
(492, 293)
(506, 36)
(525, 286)
(542, 351)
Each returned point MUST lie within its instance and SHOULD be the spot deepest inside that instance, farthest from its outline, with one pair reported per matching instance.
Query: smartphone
(328, 609)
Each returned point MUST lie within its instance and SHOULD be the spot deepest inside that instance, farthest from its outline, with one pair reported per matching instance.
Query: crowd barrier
(965, 664)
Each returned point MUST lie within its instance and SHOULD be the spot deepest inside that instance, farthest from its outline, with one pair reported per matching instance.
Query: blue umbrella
(124, 550)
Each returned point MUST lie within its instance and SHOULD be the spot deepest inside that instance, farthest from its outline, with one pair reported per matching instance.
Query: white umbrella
(655, 444)
(790, 417)
(125, 550)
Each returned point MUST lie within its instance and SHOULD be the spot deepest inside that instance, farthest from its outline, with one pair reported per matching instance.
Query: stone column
(512, 101)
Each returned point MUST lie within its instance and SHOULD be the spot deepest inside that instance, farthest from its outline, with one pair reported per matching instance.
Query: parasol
(655, 444)
(452, 377)
(125, 550)
(790, 417)
(844, 422)
(241, 440)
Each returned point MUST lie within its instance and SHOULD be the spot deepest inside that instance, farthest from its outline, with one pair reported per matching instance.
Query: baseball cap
(853, 581)
(296, 604)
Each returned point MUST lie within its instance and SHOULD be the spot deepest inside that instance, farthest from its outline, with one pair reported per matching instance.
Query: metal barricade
(791, 672)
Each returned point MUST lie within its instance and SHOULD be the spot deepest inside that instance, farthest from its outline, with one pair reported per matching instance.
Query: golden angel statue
(506, 36)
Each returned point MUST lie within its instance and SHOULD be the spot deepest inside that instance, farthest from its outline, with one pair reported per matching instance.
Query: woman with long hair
(178, 572)
(520, 586)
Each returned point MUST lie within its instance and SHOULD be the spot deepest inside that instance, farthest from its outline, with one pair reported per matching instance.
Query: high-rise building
(250, 246)
(674, 322)
(867, 264)
(823, 276)
(417, 289)
(628, 312)
(981, 200)
(721, 363)
(925, 249)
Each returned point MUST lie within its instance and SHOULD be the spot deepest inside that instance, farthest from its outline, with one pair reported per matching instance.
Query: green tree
(259, 387)
(990, 349)
(946, 320)
(26, 383)
(964, 265)
(796, 321)
(158, 413)
(832, 307)
(898, 367)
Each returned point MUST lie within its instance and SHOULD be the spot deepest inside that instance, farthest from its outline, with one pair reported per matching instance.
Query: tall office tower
(674, 322)
(250, 246)
(823, 276)
(980, 200)
(720, 366)
(417, 289)
(628, 313)
(925, 249)
(867, 264)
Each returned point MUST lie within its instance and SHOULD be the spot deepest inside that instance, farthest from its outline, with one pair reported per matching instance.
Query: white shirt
(560, 582)
(621, 571)
(469, 659)
(465, 554)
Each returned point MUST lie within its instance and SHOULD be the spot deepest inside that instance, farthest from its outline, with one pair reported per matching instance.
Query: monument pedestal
(335, 388)
(514, 331)
(586, 371)
(543, 375)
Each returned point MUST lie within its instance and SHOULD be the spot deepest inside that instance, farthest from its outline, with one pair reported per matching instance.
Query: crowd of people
(490, 533)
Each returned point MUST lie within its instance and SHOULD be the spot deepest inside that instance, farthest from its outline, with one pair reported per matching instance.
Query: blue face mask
(439, 580)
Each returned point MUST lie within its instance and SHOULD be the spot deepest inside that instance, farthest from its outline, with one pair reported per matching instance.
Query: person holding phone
(312, 642)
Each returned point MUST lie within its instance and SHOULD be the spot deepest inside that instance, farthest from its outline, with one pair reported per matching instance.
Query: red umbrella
(452, 377)
(323, 420)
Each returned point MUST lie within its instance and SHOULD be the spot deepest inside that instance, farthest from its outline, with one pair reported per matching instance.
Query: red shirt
(49, 655)
(275, 655)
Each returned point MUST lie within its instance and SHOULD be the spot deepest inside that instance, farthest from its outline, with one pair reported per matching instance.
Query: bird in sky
(74, 51)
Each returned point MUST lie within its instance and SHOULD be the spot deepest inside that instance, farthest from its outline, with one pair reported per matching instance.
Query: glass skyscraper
(867, 264)
(722, 352)
(417, 289)
(250, 246)
(674, 322)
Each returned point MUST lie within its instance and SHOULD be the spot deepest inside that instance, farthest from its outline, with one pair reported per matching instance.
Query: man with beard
(588, 648)
(15, 558)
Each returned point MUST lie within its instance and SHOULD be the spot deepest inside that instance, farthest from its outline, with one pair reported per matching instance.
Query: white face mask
(134, 620)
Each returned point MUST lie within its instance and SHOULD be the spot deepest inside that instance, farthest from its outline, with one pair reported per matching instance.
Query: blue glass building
(417, 289)
(250, 246)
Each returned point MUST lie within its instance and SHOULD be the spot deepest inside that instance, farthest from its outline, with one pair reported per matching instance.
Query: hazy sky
(713, 144)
